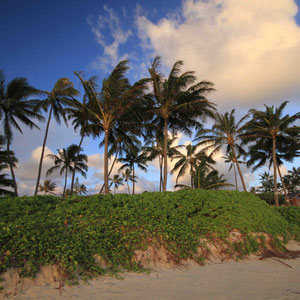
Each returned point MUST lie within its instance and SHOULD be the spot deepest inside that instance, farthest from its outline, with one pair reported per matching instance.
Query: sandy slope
(251, 279)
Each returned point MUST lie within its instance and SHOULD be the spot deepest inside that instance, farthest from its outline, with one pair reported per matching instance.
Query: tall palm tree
(116, 181)
(190, 160)
(132, 158)
(57, 99)
(261, 152)
(117, 101)
(229, 158)
(64, 163)
(121, 140)
(178, 103)
(83, 119)
(271, 124)
(225, 131)
(48, 187)
(128, 177)
(15, 108)
(156, 150)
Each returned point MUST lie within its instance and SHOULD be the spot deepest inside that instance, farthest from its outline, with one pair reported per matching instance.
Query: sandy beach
(248, 279)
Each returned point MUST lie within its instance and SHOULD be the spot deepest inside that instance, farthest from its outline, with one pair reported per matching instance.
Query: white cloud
(110, 22)
(247, 48)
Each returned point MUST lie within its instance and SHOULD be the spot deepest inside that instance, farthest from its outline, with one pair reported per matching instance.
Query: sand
(248, 279)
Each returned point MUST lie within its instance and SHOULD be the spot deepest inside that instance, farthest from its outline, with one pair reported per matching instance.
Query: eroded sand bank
(249, 279)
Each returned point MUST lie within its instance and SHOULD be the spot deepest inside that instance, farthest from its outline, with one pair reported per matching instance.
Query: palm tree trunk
(42, 155)
(283, 185)
(191, 172)
(133, 183)
(160, 174)
(235, 177)
(111, 168)
(12, 170)
(275, 172)
(106, 162)
(66, 178)
(165, 155)
(114, 189)
(75, 164)
(128, 187)
(238, 167)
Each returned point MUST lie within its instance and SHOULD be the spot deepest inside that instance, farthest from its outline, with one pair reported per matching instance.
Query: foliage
(291, 214)
(269, 198)
(48, 187)
(45, 230)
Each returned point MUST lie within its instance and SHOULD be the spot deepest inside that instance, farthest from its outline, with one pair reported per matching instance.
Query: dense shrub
(43, 230)
(269, 198)
(291, 214)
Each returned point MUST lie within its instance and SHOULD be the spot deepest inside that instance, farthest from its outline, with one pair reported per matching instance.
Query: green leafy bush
(45, 230)
(291, 214)
(269, 198)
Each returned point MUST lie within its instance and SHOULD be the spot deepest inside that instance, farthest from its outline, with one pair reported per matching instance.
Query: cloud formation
(108, 21)
(247, 48)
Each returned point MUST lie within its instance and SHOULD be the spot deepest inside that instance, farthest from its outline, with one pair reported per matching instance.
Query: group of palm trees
(152, 110)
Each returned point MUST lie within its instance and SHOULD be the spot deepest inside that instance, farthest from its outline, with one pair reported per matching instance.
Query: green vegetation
(291, 214)
(45, 230)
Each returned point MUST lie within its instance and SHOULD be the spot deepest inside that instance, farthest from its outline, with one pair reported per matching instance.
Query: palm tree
(121, 140)
(261, 152)
(81, 118)
(132, 158)
(4, 164)
(271, 124)
(128, 177)
(48, 187)
(190, 160)
(225, 131)
(206, 177)
(116, 181)
(117, 102)
(229, 158)
(178, 102)
(60, 96)
(64, 163)
(15, 108)
(79, 188)
(156, 150)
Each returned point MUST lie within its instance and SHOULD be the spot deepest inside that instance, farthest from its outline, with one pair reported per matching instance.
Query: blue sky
(250, 55)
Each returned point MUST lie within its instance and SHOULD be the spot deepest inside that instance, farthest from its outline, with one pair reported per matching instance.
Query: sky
(249, 49)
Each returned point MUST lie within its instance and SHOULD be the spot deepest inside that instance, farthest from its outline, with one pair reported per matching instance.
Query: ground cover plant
(46, 230)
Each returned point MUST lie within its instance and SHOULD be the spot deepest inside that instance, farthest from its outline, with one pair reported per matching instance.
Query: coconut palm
(178, 103)
(78, 188)
(156, 150)
(132, 158)
(261, 152)
(57, 99)
(229, 158)
(117, 101)
(116, 181)
(5, 160)
(206, 177)
(15, 108)
(190, 160)
(48, 187)
(64, 163)
(225, 131)
(120, 141)
(128, 177)
(271, 124)
(81, 119)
